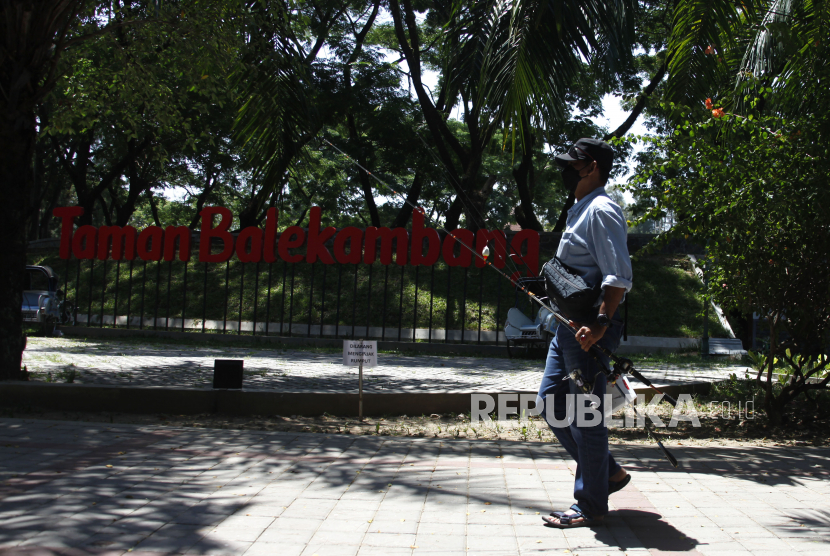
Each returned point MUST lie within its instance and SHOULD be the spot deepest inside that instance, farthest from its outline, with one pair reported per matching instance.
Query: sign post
(357, 354)
(360, 391)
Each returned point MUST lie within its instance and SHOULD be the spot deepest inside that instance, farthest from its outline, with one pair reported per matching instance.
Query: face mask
(571, 178)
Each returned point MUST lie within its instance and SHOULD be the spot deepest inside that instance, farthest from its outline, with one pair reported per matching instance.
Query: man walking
(594, 247)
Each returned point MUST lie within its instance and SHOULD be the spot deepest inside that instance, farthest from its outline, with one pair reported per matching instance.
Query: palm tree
(508, 65)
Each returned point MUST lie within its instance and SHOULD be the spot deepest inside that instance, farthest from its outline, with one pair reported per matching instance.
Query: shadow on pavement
(95, 488)
(651, 531)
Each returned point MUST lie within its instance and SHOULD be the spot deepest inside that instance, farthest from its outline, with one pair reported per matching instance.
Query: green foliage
(750, 187)
(787, 53)
(791, 364)
(747, 176)
(167, 108)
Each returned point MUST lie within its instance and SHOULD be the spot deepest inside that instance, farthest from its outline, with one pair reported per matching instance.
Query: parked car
(43, 300)
(519, 329)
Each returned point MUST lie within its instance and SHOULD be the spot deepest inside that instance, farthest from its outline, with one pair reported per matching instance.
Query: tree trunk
(153, 208)
(563, 216)
(17, 140)
(138, 185)
(402, 218)
(524, 176)
(210, 184)
(476, 208)
(642, 100)
(453, 216)
(363, 177)
(351, 123)
(88, 196)
(34, 35)
(464, 174)
(770, 405)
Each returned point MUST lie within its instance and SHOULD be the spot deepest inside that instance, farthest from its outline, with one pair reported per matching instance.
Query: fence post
(129, 294)
(256, 296)
(115, 308)
(241, 296)
(184, 295)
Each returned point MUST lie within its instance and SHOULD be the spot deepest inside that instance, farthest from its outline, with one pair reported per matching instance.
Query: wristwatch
(603, 320)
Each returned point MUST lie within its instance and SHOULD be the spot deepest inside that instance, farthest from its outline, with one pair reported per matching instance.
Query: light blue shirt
(594, 242)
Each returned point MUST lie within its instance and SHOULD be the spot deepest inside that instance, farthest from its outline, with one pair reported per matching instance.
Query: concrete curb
(192, 401)
(634, 344)
(283, 341)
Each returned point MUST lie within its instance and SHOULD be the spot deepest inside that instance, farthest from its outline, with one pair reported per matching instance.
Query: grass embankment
(666, 299)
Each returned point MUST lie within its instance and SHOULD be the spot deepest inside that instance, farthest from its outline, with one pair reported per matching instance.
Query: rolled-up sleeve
(609, 248)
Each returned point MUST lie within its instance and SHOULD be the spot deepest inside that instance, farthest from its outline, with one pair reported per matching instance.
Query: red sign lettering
(421, 246)
(221, 231)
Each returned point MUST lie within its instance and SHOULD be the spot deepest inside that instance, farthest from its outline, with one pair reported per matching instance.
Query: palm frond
(785, 53)
(523, 54)
(761, 53)
(275, 109)
(701, 31)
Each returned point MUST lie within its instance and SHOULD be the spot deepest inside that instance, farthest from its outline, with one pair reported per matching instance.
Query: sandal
(613, 486)
(616, 486)
(561, 520)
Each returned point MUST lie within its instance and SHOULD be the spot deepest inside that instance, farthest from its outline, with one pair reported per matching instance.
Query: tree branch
(642, 100)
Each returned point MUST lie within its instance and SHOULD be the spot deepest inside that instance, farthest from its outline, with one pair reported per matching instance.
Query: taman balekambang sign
(351, 245)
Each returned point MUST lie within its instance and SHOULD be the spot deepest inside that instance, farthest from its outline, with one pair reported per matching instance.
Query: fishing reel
(622, 366)
(585, 385)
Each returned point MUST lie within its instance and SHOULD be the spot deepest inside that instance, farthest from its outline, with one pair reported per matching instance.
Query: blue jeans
(588, 446)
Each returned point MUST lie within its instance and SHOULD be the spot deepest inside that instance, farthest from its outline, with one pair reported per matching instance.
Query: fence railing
(389, 302)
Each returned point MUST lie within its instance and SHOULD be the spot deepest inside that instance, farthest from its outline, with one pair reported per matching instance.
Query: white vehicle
(521, 330)
(43, 301)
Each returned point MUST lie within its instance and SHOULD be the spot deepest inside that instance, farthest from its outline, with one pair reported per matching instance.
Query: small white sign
(356, 352)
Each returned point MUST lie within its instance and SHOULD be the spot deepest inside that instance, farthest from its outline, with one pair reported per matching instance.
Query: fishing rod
(622, 365)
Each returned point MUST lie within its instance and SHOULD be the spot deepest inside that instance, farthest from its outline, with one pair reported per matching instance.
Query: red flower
(717, 112)
(709, 50)
(708, 104)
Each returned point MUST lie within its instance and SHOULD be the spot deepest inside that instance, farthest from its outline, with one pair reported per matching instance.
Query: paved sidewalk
(78, 489)
(116, 363)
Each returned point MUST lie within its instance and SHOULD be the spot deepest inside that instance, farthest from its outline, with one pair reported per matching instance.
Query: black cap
(589, 149)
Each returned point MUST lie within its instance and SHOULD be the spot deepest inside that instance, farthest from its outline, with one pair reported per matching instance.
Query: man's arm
(612, 299)
(589, 334)
(607, 244)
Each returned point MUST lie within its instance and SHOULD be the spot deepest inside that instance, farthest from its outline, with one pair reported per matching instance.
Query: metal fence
(403, 303)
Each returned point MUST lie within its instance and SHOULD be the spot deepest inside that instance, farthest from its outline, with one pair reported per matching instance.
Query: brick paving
(77, 489)
(151, 364)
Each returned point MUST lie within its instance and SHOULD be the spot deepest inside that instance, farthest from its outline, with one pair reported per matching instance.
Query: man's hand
(588, 335)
